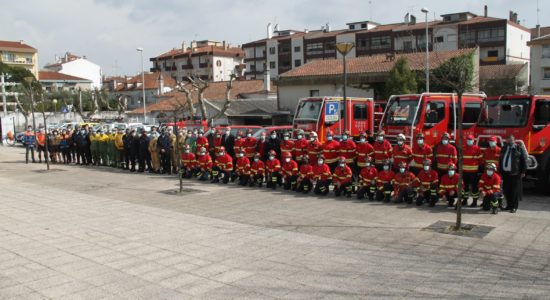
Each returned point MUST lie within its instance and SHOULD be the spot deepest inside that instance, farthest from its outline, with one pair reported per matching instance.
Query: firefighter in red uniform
(448, 187)
(257, 170)
(287, 146)
(426, 185)
(202, 141)
(364, 150)
(348, 149)
(330, 151)
(489, 186)
(445, 154)
(382, 150)
(300, 145)
(471, 165)
(305, 177)
(242, 170)
(204, 165)
(401, 152)
(313, 148)
(384, 182)
(217, 144)
(321, 176)
(290, 171)
(492, 155)
(238, 145)
(261, 145)
(188, 162)
(343, 178)
(250, 144)
(420, 152)
(272, 170)
(223, 167)
(403, 181)
(367, 181)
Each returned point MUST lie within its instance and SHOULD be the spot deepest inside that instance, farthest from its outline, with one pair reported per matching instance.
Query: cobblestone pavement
(92, 233)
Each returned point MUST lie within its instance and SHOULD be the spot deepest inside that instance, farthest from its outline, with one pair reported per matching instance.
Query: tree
(501, 86)
(401, 79)
(457, 74)
(200, 85)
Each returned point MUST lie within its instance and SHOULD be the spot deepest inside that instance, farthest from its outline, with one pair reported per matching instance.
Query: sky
(108, 32)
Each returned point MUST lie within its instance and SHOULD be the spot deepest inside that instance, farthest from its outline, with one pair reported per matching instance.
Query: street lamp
(425, 11)
(54, 101)
(140, 50)
(344, 49)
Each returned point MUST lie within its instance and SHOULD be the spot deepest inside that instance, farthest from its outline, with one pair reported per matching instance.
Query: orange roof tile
(215, 50)
(500, 71)
(21, 46)
(56, 76)
(151, 82)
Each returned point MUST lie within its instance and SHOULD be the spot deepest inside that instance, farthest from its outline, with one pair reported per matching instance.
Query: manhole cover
(467, 230)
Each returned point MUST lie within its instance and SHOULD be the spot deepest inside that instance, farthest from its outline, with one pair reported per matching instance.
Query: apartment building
(77, 66)
(501, 41)
(19, 54)
(209, 60)
(540, 65)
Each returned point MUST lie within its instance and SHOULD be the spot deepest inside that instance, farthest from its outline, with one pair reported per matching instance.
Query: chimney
(161, 84)
(267, 80)
(513, 17)
(306, 30)
(538, 30)
(269, 31)
(407, 19)
(224, 45)
(327, 27)
(21, 42)
(413, 20)
(183, 46)
(485, 11)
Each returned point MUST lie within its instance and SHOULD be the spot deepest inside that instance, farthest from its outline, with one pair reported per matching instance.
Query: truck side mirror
(537, 128)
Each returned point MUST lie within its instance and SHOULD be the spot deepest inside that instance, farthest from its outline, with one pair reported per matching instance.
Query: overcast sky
(108, 32)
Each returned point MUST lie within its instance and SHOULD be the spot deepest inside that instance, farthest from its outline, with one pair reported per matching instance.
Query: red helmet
(342, 159)
(493, 139)
(445, 135)
(222, 148)
(257, 154)
(240, 133)
(427, 162)
(218, 132)
(403, 164)
(272, 152)
(452, 166)
(248, 131)
(305, 157)
(347, 132)
(286, 154)
(186, 147)
(329, 132)
(470, 137)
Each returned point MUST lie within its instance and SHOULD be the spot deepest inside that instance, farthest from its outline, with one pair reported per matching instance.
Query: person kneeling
(273, 170)
(384, 182)
(403, 184)
(321, 176)
(426, 184)
(367, 180)
(343, 178)
(290, 172)
(489, 186)
(448, 189)
(188, 163)
(223, 166)
(204, 165)
(243, 169)
(257, 171)
(305, 176)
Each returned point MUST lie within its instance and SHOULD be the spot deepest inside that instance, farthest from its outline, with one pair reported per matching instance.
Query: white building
(77, 66)
(540, 65)
(156, 85)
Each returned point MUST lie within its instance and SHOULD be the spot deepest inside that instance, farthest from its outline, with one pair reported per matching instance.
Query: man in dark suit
(512, 167)
(228, 141)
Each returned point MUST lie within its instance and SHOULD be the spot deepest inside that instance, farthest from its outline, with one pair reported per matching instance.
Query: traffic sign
(332, 111)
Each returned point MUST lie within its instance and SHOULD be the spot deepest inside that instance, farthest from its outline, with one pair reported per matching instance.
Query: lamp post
(140, 50)
(425, 11)
(344, 49)
(54, 101)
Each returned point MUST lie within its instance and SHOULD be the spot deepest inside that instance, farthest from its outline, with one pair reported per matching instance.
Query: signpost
(332, 111)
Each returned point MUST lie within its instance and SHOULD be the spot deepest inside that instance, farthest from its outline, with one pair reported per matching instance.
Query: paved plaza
(93, 233)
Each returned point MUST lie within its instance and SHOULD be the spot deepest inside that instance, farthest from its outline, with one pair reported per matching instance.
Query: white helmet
(401, 137)
(313, 134)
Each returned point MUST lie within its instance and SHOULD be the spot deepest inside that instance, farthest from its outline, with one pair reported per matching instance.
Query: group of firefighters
(377, 171)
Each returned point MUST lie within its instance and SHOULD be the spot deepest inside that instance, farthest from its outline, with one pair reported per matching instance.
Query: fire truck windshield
(401, 112)
(309, 110)
(504, 113)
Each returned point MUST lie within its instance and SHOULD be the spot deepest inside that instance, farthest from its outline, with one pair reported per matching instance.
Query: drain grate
(467, 230)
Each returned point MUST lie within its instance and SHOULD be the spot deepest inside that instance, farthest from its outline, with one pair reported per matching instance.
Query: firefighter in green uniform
(94, 147)
(103, 148)
(113, 157)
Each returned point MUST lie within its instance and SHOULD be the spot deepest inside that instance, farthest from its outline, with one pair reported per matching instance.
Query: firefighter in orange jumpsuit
(343, 178)
(287, 146)
(300, 145)
(348, 149)
(448, 186)
(330, 151)
(420, 152)
(272, 170)
(367, 181)
(489, 186)
(204, 164)
(202, 141)
(188, 162)
(472, 160)
(250, 144)
(426, 185)
(242, 169)
(384, 182)
(223, 167)
(290, 171)
(382, 150)
(321, 176)
(364, 150)
(401, 152)
(305, 176)
(445, 154)
(257, 171)
(313, 148)
(403, 181)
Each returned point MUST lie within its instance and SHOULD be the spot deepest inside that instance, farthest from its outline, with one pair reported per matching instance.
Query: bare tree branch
(227, 101)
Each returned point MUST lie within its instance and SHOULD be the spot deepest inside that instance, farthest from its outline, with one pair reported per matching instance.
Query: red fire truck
(320, 114)
(430, 113)
(190, 124)
(527, 117)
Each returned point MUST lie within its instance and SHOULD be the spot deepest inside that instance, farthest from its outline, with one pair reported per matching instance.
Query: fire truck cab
(431, 114)
(321, 114)
(527, 117)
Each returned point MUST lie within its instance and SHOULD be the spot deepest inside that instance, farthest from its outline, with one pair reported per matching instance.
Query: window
(439, 39)
(271, 50)
(435, 112)
(546, 73)
(451, 38)
(297, 62)
(490, 35)
(546, 51)
(314, 48)
(352, 27)
(314, 93)
(504, 113)
(297, 48)
(402, 112)
(29, 60)
(252, 67)
(471, 113)
(363, 43)
(407, 45)
(467, 37)
(363, 25)
(272, 65)
(330, 47)
(380, 42)
(492, 53)
(542, 112)
(7, 56)
(360, 111)
(309, 109)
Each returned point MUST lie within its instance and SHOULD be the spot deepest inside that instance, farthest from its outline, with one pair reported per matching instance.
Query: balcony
(186, 67)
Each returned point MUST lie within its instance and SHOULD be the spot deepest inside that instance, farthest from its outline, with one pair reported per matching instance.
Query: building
(156, 85)
(325, 77)
(209, 60)
(540, 65)
(55, 82)
(497, 80)
(501, 41)
(19, 54)
(77, 66)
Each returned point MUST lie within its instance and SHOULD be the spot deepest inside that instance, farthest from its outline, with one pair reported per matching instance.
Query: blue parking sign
(332, 111)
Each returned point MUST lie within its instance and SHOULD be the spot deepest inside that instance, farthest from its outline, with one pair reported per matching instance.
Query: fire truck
(190, 124)
(527, 117)
(431, 114)
(321, 114)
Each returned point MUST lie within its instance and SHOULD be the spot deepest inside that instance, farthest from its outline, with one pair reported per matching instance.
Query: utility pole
(3, 85)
